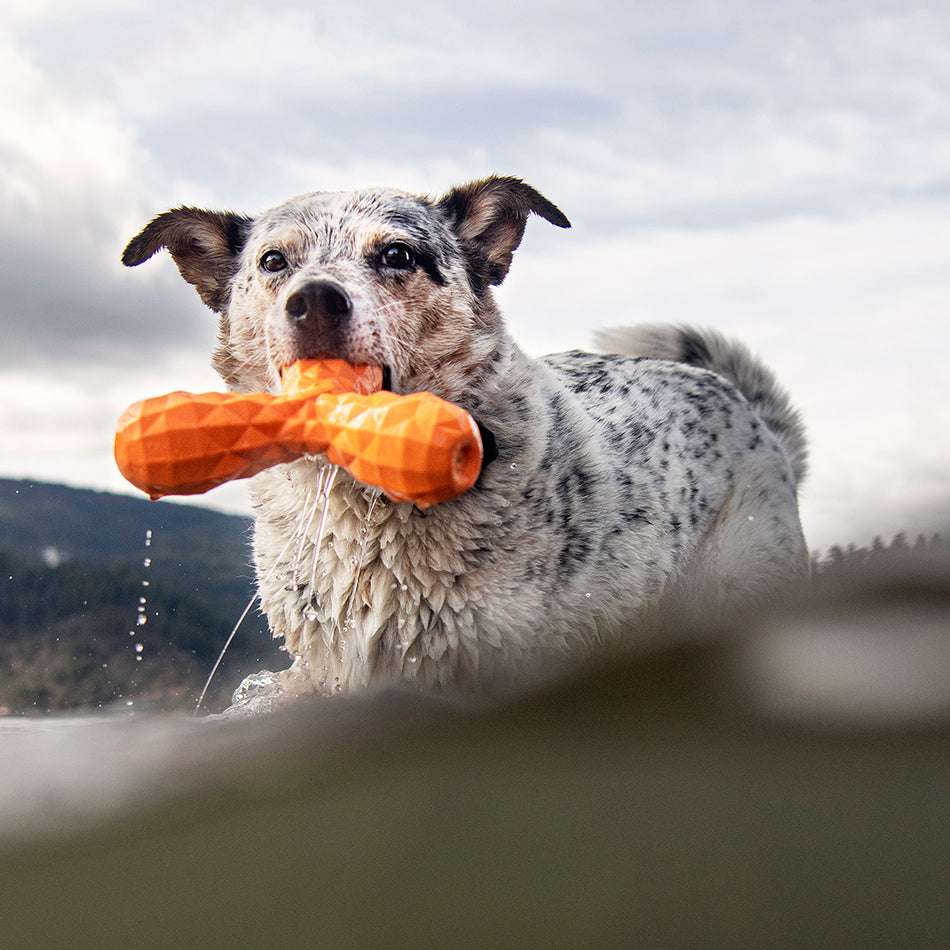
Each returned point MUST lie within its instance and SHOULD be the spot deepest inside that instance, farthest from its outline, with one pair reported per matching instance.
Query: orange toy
(416, 448)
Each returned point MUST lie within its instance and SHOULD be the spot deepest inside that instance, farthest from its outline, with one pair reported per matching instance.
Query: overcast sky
(778, 171)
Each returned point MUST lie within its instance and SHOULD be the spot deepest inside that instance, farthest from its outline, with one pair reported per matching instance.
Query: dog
(661, 471)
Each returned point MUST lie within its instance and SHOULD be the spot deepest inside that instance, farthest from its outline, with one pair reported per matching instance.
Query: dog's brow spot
(371, 239)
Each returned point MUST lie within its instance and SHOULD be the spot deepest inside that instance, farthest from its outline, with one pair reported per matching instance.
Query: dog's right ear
(489, 218)
(204, 244)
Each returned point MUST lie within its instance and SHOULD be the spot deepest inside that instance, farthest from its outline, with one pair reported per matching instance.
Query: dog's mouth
(387, 383)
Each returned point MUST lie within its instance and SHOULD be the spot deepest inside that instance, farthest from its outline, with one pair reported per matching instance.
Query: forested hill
(82, 570)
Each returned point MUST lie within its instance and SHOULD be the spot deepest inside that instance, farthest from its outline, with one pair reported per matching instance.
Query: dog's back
(705, 449)
(710, 350)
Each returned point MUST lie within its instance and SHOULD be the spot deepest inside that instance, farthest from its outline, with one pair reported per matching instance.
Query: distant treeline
(850, 557)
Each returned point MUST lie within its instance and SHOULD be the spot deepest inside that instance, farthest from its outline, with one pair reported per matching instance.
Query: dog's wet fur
(660, 475)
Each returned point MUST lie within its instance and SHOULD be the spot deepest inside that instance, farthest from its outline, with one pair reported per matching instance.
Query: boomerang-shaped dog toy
(416, 448)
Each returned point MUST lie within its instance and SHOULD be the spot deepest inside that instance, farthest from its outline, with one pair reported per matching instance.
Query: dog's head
(373, 276)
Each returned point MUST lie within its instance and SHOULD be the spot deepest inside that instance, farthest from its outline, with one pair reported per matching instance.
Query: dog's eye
(398, 256)
(273, 261)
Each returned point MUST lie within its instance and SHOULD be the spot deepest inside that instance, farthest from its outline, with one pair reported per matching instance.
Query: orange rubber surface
(416, 448)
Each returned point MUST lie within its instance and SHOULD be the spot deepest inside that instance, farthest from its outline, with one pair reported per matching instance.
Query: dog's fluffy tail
(710, 350)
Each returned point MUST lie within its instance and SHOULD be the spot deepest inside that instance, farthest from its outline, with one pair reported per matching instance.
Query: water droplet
(587, 594)
(142, 600)
(751, 517)
(140, 620)
(145, 583)
(513, 466)
(139, 648)
(412, 659)
(147, 562)
(310, 612)
(404, 587)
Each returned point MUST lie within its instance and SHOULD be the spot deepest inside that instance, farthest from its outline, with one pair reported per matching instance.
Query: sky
(780, 172)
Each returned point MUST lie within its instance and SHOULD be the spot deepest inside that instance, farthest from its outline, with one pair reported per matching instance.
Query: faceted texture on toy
(416, 448)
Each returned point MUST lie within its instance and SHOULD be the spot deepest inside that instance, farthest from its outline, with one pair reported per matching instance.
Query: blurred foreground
(784, 785)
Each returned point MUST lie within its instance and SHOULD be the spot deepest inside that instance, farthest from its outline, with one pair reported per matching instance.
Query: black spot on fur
(634, 515)
(574, 552)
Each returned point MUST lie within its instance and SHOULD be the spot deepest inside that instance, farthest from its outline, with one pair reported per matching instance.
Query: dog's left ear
(489, 218)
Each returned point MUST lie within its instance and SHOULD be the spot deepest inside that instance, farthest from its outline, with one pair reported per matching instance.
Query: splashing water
(256, 686)
(311, 504)
(318, 544)
(349, 621)
(142, 609)
(308, 512)
(299, 535)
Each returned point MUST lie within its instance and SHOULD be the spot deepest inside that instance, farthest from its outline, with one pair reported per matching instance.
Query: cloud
(244, 58)
(850, 312)
(777, 170)
(73, 180)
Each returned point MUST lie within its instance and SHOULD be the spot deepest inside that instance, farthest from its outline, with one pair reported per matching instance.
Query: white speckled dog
(621, 483)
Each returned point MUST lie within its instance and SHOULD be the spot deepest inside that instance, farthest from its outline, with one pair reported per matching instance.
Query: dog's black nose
(319, 305)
